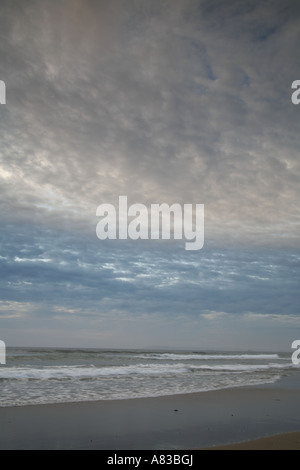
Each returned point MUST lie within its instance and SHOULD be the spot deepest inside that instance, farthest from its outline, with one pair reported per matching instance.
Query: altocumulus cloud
(177, 101)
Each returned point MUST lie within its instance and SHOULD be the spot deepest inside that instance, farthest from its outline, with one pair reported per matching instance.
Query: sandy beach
(288, 441)
(194, 421)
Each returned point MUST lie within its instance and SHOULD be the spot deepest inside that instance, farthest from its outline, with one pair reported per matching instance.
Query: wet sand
(288, 441)
(193, 421)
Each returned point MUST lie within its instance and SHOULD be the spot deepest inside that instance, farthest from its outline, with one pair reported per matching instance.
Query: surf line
(162, 221)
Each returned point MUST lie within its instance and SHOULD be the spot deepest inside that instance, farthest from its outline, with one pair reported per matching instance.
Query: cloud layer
(175, 101)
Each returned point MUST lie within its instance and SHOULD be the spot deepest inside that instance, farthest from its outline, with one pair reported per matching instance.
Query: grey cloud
(176, 101)
(58, 269)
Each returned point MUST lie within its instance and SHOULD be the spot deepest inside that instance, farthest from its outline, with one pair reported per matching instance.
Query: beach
(191, 421)
(288, 441)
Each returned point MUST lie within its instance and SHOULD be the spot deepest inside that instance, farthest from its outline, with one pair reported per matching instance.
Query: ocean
(34, 376)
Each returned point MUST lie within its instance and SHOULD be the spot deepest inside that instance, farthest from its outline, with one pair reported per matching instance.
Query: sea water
(44, 375)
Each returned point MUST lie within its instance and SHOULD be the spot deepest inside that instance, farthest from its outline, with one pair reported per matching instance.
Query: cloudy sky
(164, 101)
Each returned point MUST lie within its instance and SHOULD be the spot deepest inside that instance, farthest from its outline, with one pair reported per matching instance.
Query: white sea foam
(205, 357)
(65, 372)
(55, 376)
(77, 372)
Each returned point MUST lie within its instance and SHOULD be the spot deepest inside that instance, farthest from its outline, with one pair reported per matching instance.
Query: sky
(162, 101)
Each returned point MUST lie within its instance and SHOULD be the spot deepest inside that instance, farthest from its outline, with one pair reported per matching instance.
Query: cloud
(162, 105)
(177, 101)
(292, 320)
(214, 316)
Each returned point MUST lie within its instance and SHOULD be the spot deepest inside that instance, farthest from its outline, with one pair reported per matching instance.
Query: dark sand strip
(189, 421)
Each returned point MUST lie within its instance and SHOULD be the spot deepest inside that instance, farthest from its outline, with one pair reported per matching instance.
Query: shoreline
(205, 420)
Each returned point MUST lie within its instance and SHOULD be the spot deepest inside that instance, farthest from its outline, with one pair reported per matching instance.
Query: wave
(243, 367)
(65, 372)
(203, 356)
(92, 372)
